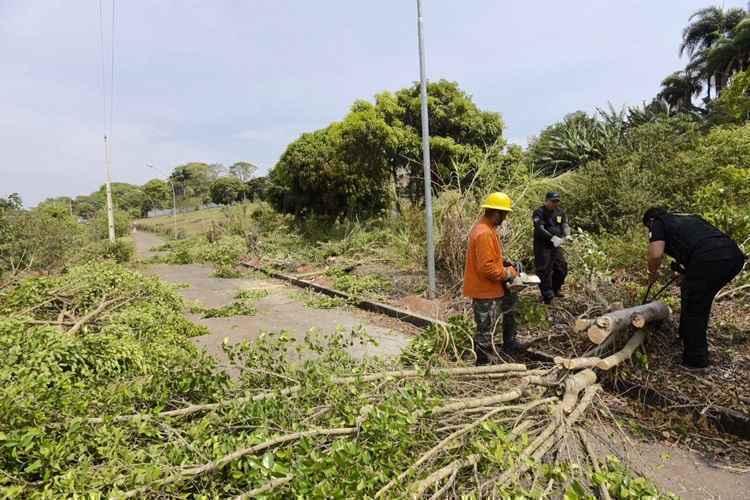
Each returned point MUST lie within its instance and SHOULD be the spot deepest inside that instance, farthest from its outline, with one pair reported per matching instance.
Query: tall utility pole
(110, 211)
(432, 288)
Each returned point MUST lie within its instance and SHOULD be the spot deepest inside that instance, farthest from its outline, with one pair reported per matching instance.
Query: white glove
(557, 241)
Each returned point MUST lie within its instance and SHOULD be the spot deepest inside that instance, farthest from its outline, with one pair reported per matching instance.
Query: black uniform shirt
(548, 223)
(717, 247)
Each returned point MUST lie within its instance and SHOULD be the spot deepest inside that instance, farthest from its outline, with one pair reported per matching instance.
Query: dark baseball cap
(553, 195)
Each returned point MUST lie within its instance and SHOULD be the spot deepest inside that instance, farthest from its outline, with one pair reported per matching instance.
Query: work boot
(695, 363)
(483, 357)
(510, 344)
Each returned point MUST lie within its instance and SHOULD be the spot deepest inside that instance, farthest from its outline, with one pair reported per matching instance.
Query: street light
(432, 288)
(174, 202)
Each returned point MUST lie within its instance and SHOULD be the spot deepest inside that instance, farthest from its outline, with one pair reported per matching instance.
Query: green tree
(577, 139)
(12, 202)
(734, 103)
(459, 132)
(127, 197)
(193, 180)
(158, 194)
(44, 238)
(256, 189)
(707, 40)
(227, 190)
(345, 168)
(678, 90)
(85, 206)
(243, 170)
(99, 225)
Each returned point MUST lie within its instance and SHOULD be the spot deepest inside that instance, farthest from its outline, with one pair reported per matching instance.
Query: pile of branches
(125, 407)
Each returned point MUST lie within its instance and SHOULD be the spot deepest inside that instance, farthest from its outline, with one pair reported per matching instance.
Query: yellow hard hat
(498, 201)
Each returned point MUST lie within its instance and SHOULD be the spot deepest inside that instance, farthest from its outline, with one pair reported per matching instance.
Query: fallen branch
(189, 410)
(466, 428)
(552, 433)
(504, 397)
(221, 462)
(88, 317)
(616, 322)
(271, 485)
(658, 312)
(625, 353)
(577, 363)
(474, 370)
(435, 450)
(454, 467)
(729, 293)
(603, 491)
(581, 325)
(573, 387)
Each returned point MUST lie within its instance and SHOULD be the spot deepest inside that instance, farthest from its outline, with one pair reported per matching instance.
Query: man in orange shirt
(485, 278)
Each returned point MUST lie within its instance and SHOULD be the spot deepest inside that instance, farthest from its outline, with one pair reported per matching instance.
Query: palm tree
(678, 90)
(707, 40)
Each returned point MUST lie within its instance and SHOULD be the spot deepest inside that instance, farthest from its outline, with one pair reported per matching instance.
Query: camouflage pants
(488, 314)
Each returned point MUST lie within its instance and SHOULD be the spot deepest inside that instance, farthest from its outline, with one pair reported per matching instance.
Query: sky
(237, 80)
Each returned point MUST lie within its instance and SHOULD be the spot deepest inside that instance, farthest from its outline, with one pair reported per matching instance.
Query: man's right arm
(539, 227)
(656, 247)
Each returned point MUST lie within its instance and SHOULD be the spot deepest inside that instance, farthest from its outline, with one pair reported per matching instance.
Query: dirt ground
(673, 467)
(278, 311)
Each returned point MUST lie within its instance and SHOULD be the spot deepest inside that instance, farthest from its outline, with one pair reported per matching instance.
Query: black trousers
(699, 287)
(551, 267)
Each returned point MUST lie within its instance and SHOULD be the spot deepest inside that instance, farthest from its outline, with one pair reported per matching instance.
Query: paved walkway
(674, 469)
(278, 311)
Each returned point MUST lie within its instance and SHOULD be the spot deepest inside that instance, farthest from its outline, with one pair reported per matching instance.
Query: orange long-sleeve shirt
(485, 274)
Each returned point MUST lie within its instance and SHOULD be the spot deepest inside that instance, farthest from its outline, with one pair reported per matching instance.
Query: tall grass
(457, 211)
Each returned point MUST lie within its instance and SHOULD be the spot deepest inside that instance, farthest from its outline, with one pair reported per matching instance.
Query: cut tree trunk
(619, 321)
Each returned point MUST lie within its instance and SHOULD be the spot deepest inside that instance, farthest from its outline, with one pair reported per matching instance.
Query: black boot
(482, 356)
(559, 294)
(510, 344)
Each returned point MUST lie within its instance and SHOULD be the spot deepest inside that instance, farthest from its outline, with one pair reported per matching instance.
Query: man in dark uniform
(550, 230)
(708, 260)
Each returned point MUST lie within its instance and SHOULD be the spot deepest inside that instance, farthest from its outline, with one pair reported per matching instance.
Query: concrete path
(674, 469)
(278, 311)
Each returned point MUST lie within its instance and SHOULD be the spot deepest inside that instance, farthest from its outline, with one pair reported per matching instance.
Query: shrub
(725, 201)
(99, 225)
(121, 251)
(46, 238)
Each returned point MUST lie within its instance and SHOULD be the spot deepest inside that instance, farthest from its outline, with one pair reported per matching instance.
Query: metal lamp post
(432, 288)
(174, 203)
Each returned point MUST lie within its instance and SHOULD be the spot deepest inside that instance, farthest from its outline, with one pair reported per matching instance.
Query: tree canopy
(355, 166)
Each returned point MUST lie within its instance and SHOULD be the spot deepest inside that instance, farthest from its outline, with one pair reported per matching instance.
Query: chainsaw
(522, 281)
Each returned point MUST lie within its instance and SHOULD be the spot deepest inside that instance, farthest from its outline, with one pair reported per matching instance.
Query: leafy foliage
(344, 169)
(45, 238)
(239, 308)
(576, 140)
(227, 190)
(99, 225)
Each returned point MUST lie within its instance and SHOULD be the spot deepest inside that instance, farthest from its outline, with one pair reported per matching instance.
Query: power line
(108, 126)
(104, 71)
(112, 73)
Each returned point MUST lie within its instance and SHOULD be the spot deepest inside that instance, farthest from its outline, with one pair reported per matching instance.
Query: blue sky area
(221, 81)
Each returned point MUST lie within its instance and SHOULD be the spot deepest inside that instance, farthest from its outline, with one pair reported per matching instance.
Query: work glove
(556, 241)
(518, 265)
